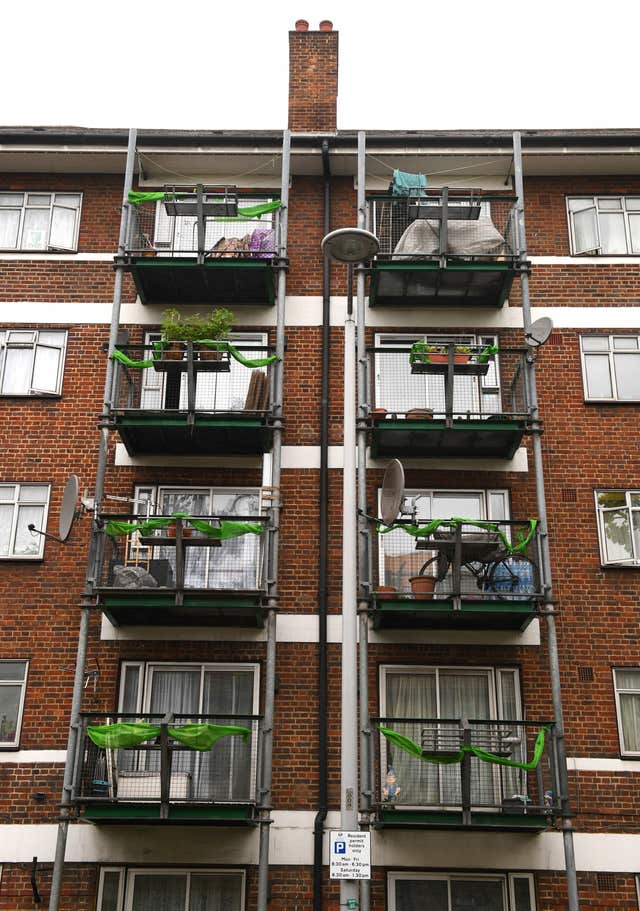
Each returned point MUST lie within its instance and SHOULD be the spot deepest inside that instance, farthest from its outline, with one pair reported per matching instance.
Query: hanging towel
(405, 184)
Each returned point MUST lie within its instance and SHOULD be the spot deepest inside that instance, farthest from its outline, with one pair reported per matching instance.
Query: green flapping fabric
(123, 735)
(245, 213)
(159, 347)
(409, 746)
(423, 531)
(226, 530)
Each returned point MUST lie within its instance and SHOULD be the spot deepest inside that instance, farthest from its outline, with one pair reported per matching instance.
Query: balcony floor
(156, 432)
(200, 607)
(439, 613)
(149, 814)
(489, 438)
(426, 284)
(452, 819)
(182, 280)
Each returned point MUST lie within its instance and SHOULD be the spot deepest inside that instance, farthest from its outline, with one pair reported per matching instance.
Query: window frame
(16, 506)
(506, 879)
(611, 351)
(15, 744)
(127, 876)
(624, 753)
(595, 205)
(600, 513)
(24, 207)
(5, 343)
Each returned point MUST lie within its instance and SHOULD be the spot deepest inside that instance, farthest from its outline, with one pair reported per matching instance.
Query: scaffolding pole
(83, 634)
(264, 820)
(547, 607)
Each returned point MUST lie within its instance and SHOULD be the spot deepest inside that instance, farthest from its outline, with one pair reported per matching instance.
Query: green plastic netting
(245, 213)
(159, 347)
(123, 735)
(423, 531)
(223, 532)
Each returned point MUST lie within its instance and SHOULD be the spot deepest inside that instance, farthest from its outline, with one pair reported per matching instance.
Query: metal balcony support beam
(547, 607)
(465, 774)
(200, 222)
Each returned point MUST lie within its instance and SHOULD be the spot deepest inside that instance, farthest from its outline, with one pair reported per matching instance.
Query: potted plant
(439, 354)
(214, 326)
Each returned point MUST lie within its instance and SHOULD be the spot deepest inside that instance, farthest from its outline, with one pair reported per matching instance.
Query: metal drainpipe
(83, 633)
(547, 608)
(264, 820)
(364, 567)
(321, 815)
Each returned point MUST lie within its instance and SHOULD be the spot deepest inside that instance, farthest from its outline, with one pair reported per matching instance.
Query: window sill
(9, 748)
(626, 567)
(13, 559)
(31, 395)
(611, 401)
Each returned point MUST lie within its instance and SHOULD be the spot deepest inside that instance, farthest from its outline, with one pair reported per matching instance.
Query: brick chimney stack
(313, 78)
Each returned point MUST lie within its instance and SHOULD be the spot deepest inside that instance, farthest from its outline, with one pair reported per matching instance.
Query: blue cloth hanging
(405, 184)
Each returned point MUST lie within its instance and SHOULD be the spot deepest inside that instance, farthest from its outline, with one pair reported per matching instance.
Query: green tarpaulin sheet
(159, 347)
(223, 532)
(123, 734)
(245, 213)
(408, 746)
(423, 531)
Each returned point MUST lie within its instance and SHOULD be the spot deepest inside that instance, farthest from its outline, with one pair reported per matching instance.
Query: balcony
(202, 247)
(179, 571)
(471, 405)
(458, 790)
(443, 248)
(164, 781)
(460, 575)
(201, 402)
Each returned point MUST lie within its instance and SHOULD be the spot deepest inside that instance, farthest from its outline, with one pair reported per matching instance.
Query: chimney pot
(302, 25)
(326, 25)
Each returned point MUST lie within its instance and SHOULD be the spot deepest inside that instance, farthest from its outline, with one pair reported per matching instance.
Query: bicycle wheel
(514, 575)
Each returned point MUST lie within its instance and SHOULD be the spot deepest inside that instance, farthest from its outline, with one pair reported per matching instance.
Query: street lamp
(351, 246)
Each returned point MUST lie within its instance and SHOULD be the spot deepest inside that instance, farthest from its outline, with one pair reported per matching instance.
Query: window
(13, 683)
(31, 361)
(39, 221)
(460, 892)
(627, 689)
(398, 390)
(611, 367)
(604, 224)
(619, 526)
(22, 505)
(180, 233)
(398, 557)
(170, 890)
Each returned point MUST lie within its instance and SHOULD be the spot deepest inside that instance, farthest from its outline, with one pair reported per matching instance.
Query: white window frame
(595, 205)
(14, 522)
(610, 351)
(600, 512)
(128, 874)
(631, 754)
(6, 342)
(506, 879)
(14, 744)
(24, 206)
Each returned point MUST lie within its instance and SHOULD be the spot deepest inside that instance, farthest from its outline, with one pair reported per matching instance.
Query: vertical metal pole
(364, 563)
(83, 633)
(272, 557)
(547, 608)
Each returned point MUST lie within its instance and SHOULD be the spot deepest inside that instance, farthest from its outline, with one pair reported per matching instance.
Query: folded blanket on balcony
(464, 238)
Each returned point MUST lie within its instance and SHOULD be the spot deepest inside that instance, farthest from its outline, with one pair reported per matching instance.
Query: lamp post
(351, 246)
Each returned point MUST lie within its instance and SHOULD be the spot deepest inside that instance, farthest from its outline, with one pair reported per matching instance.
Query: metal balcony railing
(448, 383)
(444, 224)
(191, 379)
(471, 785)
(500, 562)
(181, 559)
(165, 772)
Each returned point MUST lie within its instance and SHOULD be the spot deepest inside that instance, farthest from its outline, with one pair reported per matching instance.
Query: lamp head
(350, 245)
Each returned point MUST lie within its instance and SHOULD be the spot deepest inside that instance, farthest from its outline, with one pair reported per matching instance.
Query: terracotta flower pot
(444, 358)
(385, 591)
(172, 531)
(379, 414)
(172, 351)
(420, 414)
(423, 586)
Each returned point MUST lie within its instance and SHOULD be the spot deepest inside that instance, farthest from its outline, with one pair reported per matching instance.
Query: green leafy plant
(215, 325)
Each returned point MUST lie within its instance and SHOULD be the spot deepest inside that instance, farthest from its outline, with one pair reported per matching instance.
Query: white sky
(223, 65)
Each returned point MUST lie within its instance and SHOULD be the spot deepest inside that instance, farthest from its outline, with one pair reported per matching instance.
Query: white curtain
(466, 695)
(214, 893)
(411, 696)
(159, 892)
(168, 892)
(225, 771)
(629, 709)
(16, 379)
(193, 503)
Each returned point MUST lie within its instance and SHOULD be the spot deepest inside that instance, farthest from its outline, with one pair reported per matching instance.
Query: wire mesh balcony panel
(471, 793)
(444, 247)
(200, 402)
(478, 408)
(178, 258)
(161, 780)
(177, 575)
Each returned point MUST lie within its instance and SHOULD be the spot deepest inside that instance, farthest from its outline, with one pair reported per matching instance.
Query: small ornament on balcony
(391, 789)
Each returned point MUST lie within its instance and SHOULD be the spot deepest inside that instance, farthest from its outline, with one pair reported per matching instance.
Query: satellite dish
(68, 508)
(539, 332)
(392, 492)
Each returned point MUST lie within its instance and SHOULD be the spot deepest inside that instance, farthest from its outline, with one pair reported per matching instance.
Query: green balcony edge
(139, 265)
(223, 610)
(424, 613)
(417, 819)
(229, 434)
(513, 432)
(506, 269)
(150, 813)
